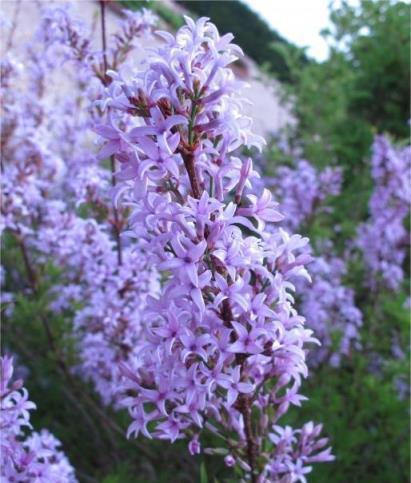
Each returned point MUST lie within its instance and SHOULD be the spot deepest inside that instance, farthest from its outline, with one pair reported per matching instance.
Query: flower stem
(244, 403)
(188, 158)
(116, 224)
(251, 446)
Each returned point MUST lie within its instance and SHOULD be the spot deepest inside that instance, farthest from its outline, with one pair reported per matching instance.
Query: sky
(299, 21)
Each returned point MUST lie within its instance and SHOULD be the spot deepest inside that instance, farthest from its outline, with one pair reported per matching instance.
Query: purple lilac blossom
(326, 303)
(383, 239)
(41, 145)
(330, 310)
(224, 324)
(36, 457)
(108, 324)
(303, 189)
(67, 39)
(295, 451)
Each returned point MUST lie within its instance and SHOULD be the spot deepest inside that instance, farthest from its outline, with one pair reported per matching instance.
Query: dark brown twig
(188, 158)
(105, 80)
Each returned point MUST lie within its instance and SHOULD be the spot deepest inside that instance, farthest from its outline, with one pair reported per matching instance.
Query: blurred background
(325, 78)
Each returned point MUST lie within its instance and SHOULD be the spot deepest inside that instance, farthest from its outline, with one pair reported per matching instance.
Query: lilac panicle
(41, 144)
(108, 322)
(222, 341)
(34, 458)
(303, 191)
(330, 309)
(383, 239)
(326, 303)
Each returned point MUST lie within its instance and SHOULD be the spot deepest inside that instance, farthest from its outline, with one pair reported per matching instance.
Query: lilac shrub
(49, 173)
(223, 348)
(35, 457)
(383, 239)
(108, 324)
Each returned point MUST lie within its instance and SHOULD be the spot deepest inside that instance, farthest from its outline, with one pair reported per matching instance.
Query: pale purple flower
(234, 386)
(194, 446)
(139, 424)
(194, 345)
(229, 460)
(188, 254)
(246, 342)
(223, 320)
(36, 457)
(383, 239)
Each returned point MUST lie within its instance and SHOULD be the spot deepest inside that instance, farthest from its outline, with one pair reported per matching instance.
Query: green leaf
(203, 473)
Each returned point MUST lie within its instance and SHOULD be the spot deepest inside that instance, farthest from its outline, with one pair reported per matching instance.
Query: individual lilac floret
(33, 458)
(223, 346)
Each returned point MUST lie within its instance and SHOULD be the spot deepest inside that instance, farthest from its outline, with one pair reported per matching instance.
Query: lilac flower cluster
(295, 450)
(25, 153)
(64, 37)
(111, 298)
(383, 239)
(330, 309)
(223, 348)
(67, 38)
(303, 190)
(326, 303)
(36, 457)
(41, 144)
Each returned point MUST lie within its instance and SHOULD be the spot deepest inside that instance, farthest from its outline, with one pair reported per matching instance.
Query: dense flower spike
(36, 458)
(223, 345)
(40, 202)
(108, 324)
(326, 303)
(389, 206)
(303, 191)
(330, 309)
(295, 451)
